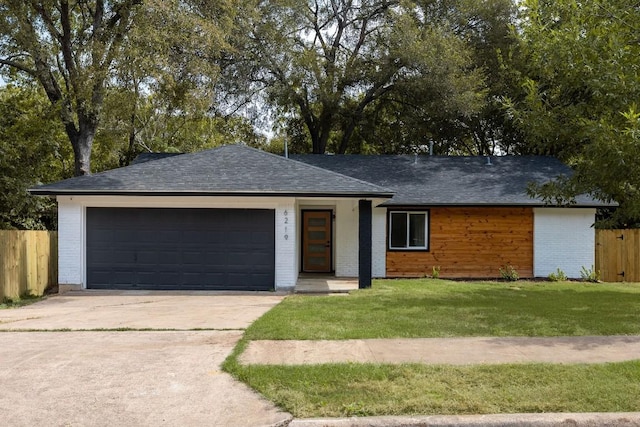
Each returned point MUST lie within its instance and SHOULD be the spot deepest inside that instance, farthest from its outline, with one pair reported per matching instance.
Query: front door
(316, 241)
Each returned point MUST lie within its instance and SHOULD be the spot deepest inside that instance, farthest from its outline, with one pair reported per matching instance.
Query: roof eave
(495, 204)
(43, 192)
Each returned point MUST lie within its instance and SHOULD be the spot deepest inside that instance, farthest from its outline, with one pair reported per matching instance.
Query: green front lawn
(439, 308)
(369, 389)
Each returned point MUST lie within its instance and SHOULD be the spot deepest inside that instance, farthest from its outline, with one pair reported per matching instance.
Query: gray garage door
(185, 249)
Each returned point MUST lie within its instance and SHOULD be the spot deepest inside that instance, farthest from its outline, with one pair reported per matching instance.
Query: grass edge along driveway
(437, 308)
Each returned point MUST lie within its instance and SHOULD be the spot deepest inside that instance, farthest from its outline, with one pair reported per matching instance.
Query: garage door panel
(169, 278)
(102, 235)
(102, 276)
(262, 258)
(193, 237)
(123, 257)
(214, 279)
(148, 257)
(123, 277)
(260, 238)
(216, 261)
(180, 248)
(166, 258)
(236, 280)
(190, 258)
(146, 278)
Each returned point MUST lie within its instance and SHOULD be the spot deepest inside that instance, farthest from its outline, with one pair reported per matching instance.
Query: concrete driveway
(164, 373)
(140, 310)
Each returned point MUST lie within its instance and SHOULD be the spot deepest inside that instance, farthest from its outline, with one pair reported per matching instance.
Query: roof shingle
(451, 180)
(226, 170)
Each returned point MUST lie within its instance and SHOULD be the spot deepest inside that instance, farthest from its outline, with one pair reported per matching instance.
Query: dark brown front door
(316, 241)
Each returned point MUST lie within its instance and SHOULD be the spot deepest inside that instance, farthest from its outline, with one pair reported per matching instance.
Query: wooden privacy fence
(28, 262)
(618, 255)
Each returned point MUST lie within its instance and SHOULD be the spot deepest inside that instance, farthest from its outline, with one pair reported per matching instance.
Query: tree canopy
(33, 149)
(578, 65)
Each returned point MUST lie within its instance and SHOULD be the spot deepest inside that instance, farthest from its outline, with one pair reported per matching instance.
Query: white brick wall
(346, 244)
(563, 238)
(286, 247)
(70, 242)
(379, 242)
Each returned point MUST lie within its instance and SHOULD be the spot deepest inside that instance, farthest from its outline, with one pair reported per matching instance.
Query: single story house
(237, 218)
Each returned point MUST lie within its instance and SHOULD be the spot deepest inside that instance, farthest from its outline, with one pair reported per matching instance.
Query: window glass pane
(316, 261)
(417, 228)
(317, 235)
(317, 222)
(314, 249)
(399, 230)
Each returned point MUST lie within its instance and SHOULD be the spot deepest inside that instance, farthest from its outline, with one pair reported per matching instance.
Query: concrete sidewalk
(453, 351)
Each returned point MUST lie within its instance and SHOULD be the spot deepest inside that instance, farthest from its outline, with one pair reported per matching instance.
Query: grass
(6, 303)
(340, 390)
(439, 308)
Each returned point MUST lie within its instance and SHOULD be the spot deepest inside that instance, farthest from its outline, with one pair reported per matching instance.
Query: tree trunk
(315, 139)
(132, 141)
(82, 141)
(323, 139)
(323, 132)
(346, 136)
(319, 137)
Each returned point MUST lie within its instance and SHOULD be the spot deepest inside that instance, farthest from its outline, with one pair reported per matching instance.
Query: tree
(403, 121)
(72, 48)
(578, 64)
(326, 63)
(69, 49)
(149, 123)
(163, 86)
(487, 27)
(33, 149)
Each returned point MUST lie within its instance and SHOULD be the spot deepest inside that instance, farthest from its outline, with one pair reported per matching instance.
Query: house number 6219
(286, 221)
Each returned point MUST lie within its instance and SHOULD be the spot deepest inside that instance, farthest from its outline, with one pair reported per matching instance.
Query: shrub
(590, 274)
(509, 273)
(558, 276)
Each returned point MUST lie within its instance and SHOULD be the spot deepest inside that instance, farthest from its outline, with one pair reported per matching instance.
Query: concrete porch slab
(325, 284)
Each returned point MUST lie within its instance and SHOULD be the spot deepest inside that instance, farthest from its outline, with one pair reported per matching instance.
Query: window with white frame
(409, 230)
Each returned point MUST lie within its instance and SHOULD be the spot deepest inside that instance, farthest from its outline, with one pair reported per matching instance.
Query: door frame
(331, 240)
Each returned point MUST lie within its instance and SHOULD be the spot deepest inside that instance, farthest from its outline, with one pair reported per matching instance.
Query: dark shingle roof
(227, 170)
(148, 157)
(437, 180)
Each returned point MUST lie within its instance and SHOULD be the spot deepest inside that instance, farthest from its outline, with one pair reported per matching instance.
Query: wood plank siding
(471, 243)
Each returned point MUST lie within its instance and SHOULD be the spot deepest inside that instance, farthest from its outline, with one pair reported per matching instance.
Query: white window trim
(426, 231)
